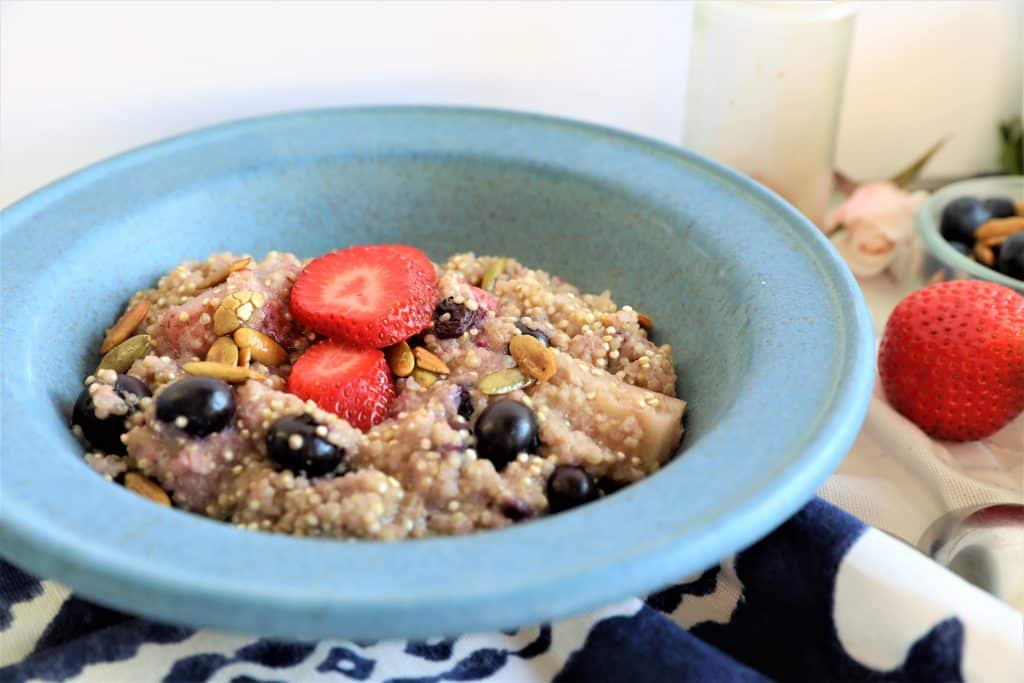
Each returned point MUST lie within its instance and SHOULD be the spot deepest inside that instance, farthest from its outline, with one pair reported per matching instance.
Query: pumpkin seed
(235, 309)
(533, 357)
(424, 378)
(121, 357)
(133, 481)
(644, 321)
(263, 348)
(125, 325)
(400, 359)
(219, 276)
(492, 274)
(224, 350)
(228, 373)
(504, 381)
(430, 362)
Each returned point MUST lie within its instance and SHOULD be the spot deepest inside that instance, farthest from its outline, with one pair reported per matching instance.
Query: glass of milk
(765, 90)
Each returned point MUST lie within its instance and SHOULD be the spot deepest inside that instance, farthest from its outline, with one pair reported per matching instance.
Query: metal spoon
(984, 545)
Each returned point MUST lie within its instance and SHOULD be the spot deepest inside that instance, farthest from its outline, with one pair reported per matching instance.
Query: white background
(82, 80)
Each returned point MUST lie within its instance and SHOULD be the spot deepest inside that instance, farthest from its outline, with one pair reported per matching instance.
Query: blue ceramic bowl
(770, 331)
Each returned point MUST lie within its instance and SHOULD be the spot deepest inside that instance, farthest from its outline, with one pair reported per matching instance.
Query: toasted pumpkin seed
(244, 357)
(145, 487)
(263, 348)
(400, 359)
(121, 357)
(228, 373)
(125, 325)
(504, 381)
(644, 321)
(492, 274)
(225, 321)
(224, 350)
(235, 309)
(430, 362)
(533, 357)
(219, 276)
(424, 378)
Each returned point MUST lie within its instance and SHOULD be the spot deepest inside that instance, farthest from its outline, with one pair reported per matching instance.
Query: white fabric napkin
(900, 480)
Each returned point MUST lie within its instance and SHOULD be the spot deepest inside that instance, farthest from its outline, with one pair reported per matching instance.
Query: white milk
(765, 89)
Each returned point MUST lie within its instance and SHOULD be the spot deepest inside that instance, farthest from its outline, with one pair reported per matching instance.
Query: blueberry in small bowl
(974, 229)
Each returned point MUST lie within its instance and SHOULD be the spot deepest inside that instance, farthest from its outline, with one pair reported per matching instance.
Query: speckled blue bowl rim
(124, 575)
(928, 226)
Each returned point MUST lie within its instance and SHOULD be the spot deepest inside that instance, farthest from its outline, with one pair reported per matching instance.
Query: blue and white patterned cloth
(822, 598)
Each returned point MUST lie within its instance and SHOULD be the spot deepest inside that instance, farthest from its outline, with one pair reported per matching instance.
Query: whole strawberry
(952, 358)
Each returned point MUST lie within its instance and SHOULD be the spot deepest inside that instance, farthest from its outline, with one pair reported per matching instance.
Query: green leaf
(1011, 157)
(910, 173)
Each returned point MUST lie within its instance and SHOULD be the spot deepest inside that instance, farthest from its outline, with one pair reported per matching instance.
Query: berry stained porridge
(370, 393)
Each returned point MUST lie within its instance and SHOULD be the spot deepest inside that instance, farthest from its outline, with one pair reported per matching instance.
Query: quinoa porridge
(372, 394)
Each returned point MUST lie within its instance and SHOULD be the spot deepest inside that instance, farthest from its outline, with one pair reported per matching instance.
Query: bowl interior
(763, 319)
(929, 220)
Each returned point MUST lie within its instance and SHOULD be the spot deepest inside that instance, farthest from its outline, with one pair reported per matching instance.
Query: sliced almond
(644, 321)
(400, 359)
(424, 378)
(430, 362)
(219, 276)
(133, 481)
(122, 356)
(984, 254)
(533, 357)
(492, 274)
(125, 326)
(224, 350)
(244, 357)
(1000, 227)
(263, 348)
(995, 240)
(227, 373)
(504, 381)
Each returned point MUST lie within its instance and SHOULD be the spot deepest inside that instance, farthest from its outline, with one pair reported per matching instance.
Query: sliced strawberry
(371, 296)
(354, 384)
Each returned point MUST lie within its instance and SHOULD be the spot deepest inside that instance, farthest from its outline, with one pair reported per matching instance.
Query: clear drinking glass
(765, 89)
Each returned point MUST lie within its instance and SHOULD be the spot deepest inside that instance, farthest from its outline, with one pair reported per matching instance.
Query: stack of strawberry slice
(362, 299)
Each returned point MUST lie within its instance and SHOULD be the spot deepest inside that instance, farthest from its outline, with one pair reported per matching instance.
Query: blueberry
(608, 486)
(1000, 207)
(536, 334)
(293, 443)
(568, 487)
(198, 405)
(504, 430)
(516, 509)
(1011, 256)
(452, 319)
(465, 408)
(105, 435)
(961, 218)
